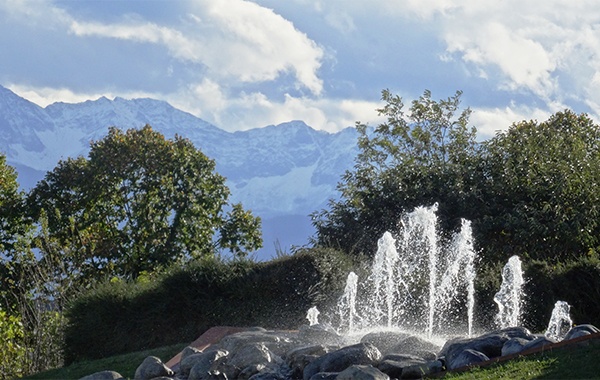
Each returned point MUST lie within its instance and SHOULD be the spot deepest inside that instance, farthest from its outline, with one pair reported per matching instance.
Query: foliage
(140, 202)
(178, 305)
(12, 347)
(415, 158)
(542, 199)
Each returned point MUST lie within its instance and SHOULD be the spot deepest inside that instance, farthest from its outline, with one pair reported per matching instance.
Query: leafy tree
(541, 189)
(422, 156)
(139, 202)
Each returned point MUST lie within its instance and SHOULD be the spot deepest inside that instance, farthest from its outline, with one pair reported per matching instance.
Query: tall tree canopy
(140, 201)
(541, 189)
(422, 156)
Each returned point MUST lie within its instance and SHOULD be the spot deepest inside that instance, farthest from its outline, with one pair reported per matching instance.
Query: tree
(541, 189)
(417, 158)
(139, 202)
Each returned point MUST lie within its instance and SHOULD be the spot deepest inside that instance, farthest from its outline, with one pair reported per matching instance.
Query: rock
(385, 340)
(299, 357)
(234, 342)
(198, 366)
(581, 330)
(151, 368)
(418, 371)
(336, 361)
(467, 357)
(489, 344)
(325, 376)
(246, 360)
(391, 368)
(189, 351)
(416, 346)
(104, 375)
(362, 372)
(319, 334)
(540, 342)
(513, 346)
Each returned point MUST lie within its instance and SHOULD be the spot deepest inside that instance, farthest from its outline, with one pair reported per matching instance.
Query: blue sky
(245, 64)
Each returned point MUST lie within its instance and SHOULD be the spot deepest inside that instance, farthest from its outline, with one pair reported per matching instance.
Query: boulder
(325, 376)
(362, 372)
(189, 351)
(416, 346)
(235, 342)
(299, 357)
(539, 342)
(152, 367)
(336, 361)
(418, 371)
(248, 360)
(319, 334)
(581, 330)
(467, 357)
(104, 375)
(384, 340)
(408, 366)
(513, 346)
(198, 366)
(489, 344)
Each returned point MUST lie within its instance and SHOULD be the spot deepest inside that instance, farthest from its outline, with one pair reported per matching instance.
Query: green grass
(568, 363)
(125, 364)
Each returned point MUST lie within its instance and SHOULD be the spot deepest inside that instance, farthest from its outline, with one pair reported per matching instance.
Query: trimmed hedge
(177, 306)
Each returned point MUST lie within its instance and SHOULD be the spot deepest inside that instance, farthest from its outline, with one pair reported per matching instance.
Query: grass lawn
(125, 364)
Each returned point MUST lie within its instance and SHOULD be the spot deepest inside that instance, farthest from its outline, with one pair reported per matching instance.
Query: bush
(12, 347)
(178, 305)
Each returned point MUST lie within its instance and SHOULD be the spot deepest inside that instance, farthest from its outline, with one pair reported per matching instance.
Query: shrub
(178, 305)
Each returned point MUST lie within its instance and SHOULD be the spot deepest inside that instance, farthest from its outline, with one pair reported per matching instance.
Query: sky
(242, 64)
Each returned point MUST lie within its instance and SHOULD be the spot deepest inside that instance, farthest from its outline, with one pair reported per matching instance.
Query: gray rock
(385, 340)
(467, 357)
(336, 361)
(198, 366)
(324, 376)
(391, 368)
(189, 351)
(362, 372)
(412, 344)
(581, 330)
(235, 342)
(513, 346)
(540, 342)
(151, 368)
(418, 371)
(489, 344)
(319, 334)
(104, 375)
(299, 357)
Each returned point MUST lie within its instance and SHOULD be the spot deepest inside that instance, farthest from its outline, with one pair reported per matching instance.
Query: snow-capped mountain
(282, 173)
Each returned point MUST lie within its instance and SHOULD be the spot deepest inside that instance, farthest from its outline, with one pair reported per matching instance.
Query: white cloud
(489, 121)
(43, 96)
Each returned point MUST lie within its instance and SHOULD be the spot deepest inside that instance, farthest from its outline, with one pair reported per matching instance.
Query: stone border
(211, 336)
(565, 344)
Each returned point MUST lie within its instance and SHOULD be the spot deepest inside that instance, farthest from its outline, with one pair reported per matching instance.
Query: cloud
(490, 121)
(236, 40)
(43, 96)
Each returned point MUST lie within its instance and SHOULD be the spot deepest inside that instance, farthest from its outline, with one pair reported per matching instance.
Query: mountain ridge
(278, 171)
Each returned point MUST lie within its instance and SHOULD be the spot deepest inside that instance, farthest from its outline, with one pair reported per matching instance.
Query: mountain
(281, 172)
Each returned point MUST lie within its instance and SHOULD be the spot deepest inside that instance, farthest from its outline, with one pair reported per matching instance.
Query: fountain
(347, 304)
(509, 297)
(560, 321)
(418, 282)
(313, 316)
